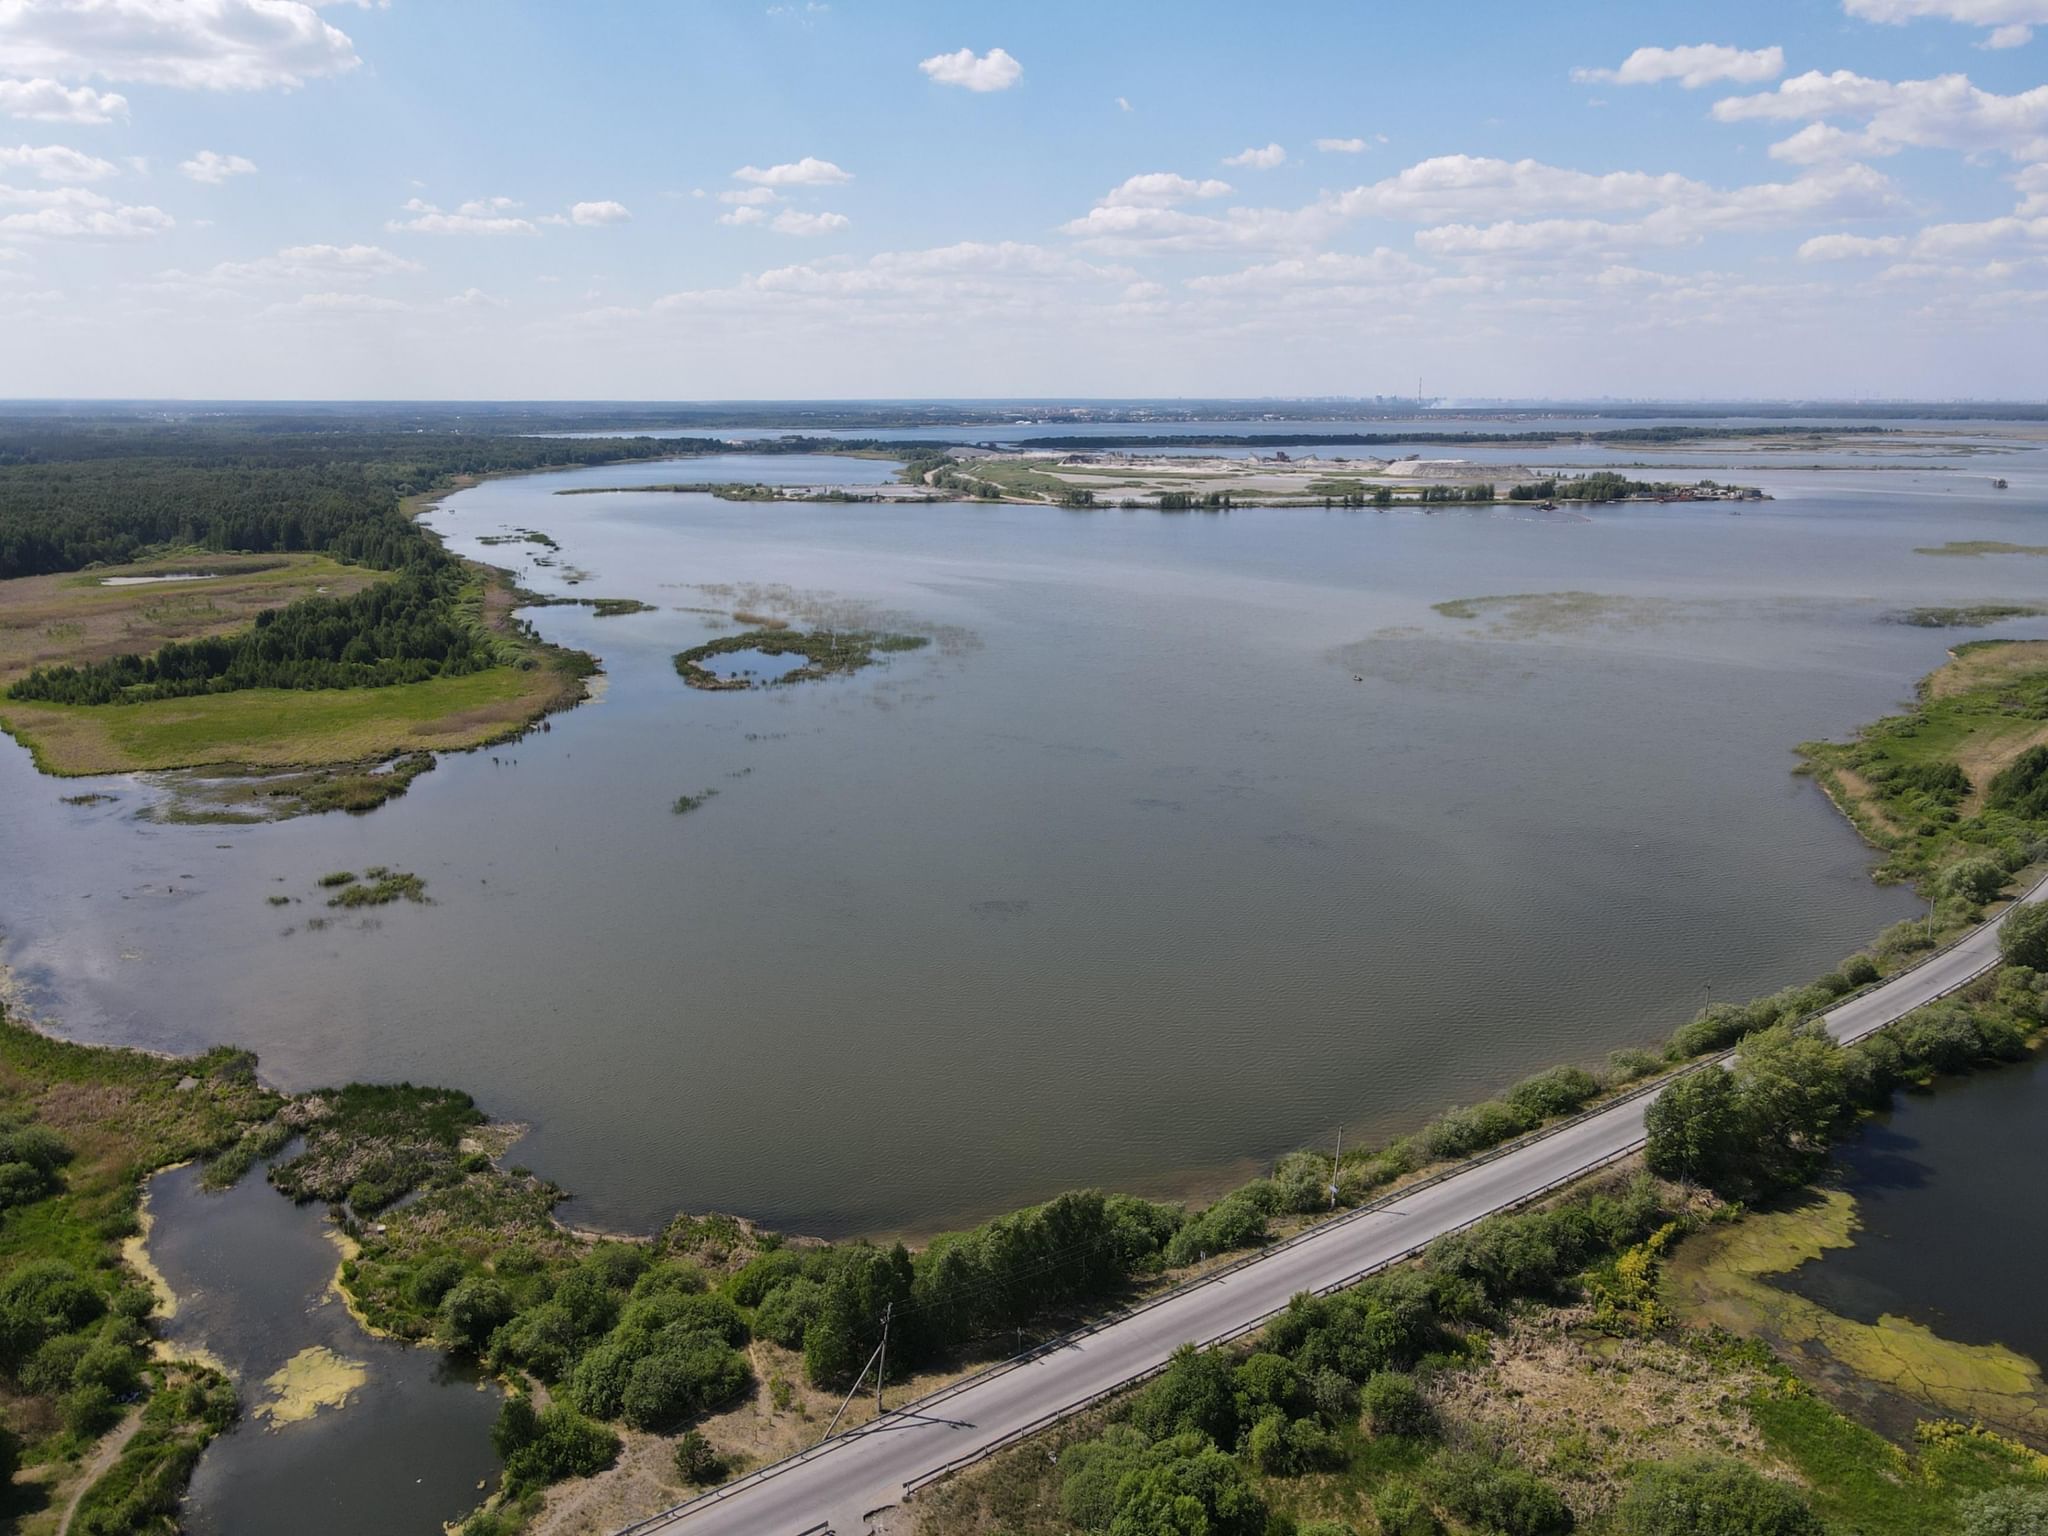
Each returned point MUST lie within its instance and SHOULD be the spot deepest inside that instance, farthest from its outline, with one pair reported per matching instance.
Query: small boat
(1998, 485)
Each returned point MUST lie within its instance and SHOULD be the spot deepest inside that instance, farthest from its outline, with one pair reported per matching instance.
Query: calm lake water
(1188, 840)
(408, 1451)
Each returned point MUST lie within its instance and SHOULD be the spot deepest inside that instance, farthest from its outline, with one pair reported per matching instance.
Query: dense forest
(79, 494)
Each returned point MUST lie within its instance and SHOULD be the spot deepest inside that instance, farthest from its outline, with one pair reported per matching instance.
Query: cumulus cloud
(53, 162)
(214, 169)
(1947, 112)
(604, 212)
(754, 197)
(2011, 21)
(480, 216)
(807, 172)
(218, 45)
(77, 213)
(1258, 159)
(46, 101)
(746, 213)
(991, 71)
(791, 222)
(1343, 146)
(1162, 189)
(1848, 247)
(1692, 66)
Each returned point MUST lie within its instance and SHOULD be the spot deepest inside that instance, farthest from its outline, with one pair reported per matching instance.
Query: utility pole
(882, 1375)
(1336, 1166)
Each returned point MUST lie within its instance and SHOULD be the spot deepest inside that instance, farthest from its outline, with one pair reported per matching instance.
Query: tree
(697, 1463)
(2007, 1512)
(2023, 936)
(1714, 1497)
(1695, 1128)
(475, 1310)
(1395, 1406)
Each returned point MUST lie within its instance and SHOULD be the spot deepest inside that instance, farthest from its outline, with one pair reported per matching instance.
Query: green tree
(1714, 1497)
(2006, 1512)
(474, 1310)
(1695, 1128)
(2023, 936)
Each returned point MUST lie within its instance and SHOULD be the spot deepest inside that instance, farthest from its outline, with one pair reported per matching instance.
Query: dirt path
(97, 1464)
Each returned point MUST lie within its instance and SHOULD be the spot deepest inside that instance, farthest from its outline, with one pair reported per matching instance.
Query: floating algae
(313, 1379)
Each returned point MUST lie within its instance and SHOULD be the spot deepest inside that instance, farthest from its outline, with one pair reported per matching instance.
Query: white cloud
(46, 101)
(1692, 66)
(2012, 21)
(1161, 189)
(1947, 112)
(991, 71)
(749, 197)
(743, 215)
(1343, 146)
(219, 45)
(75, 213)
(214, 169)
(53, 162)
(1258, 159)
(2033, 185)
(1123, 104)
(481, 216)
(316, 263)
(605, 212)
(791, 222)
(1850, 247)
(1382, 266)
(807, 172)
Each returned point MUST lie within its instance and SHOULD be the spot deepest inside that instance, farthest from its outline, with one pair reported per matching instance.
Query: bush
(2023, 936)
(697, 1464)
(1714, 1028)
(786, 1311)
(1496, 1495)
(1560, 1091)
(1235, 1221)
(1394, 1405)
(88, 1411)
(562, 1443)
(474, 1310)
(1198, 1392)
(1091, 1472)
(1630, 1062)
(1401, 1511)
(2006, 1512)
(39, 1300)
(1976, 880)
(1859, 970)
(1283, 1447)
(1713, 1497)
(1461, 1132)
(427, 1285)
(680, 1379)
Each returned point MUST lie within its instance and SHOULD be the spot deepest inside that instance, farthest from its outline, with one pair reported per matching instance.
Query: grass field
(74, 618)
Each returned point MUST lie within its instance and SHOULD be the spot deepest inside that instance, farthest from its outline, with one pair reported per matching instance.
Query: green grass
(1860, 1482)
(1969, 616)
(827, 653)
(385, 886)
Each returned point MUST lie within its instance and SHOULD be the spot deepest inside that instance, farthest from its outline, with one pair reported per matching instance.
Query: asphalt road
(838, 1487)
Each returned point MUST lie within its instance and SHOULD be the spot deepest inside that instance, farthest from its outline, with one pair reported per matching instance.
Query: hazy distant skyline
(501, 198)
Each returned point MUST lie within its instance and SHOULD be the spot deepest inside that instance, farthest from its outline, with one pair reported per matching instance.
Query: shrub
(1714, 1497)
(2023, 936)
(1977, 879)
(475, 1310)
(1394, 1405)
(697, 1463)
(1281, 1447)
(1496, 1495)
(786, 1311)
(680, 1379)
(1198, 1392)
(434, 1279)
(562, 1443)
(1235, 1221)
(1560, 1091)
(1091, 1472)
(1461, 1132)
(40, 1300)
(1859, 970)
(2006, 1512)
(1630, 1062)
(1401, 1511)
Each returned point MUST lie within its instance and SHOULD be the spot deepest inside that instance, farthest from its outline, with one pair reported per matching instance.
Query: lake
(1188, 841)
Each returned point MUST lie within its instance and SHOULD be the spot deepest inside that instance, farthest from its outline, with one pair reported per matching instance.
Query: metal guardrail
(1319, 1230)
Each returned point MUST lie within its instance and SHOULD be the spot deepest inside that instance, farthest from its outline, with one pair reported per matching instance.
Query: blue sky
(707, 198)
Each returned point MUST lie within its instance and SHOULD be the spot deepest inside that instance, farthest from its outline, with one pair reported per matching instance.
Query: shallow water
(1952, 1230)
(409, 1449)
(1191, 838)
(151, 581)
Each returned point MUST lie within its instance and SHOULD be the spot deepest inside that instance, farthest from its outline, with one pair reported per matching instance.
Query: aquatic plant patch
(825, 653)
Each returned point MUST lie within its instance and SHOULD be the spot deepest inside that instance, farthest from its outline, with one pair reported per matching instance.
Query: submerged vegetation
(379, 887)
(826, 653)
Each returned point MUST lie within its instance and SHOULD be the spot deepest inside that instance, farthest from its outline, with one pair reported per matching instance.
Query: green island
(1610, 1360)
(826, 653)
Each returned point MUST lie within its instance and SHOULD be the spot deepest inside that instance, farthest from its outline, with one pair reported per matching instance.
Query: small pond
(407, 1449)
(754, 666)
